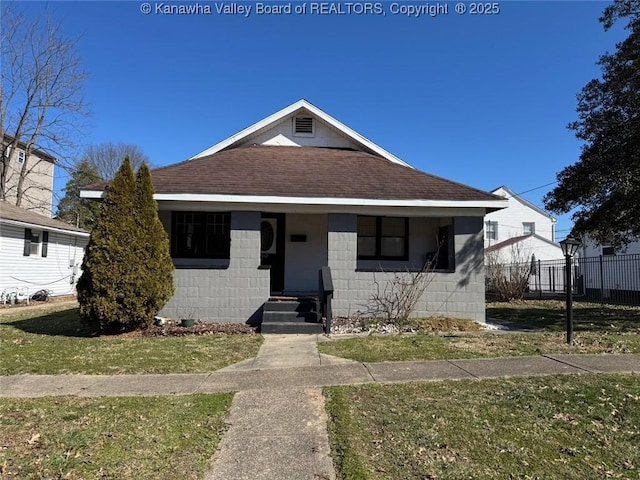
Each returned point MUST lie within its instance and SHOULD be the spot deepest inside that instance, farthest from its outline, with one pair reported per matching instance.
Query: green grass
(569, 427)
(608, 329)
(551, 315)
(57, 342)
(139, 437)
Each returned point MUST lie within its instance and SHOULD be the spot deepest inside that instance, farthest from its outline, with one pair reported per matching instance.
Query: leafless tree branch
(41, 101)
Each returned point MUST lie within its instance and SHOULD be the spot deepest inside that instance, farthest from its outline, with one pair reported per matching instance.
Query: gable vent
(303, 126)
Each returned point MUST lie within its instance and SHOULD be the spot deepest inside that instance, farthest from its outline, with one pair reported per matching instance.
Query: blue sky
(479, 99)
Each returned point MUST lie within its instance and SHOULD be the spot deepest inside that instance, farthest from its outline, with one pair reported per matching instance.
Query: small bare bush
(394, 300)
(508, 281)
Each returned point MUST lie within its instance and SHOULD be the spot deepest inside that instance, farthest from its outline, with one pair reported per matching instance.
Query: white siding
(592, 249)
(58, 271)
(281, 134)
(522, 251)
(510, 220)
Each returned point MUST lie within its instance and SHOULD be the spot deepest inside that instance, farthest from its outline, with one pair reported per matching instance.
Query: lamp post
(569, 248)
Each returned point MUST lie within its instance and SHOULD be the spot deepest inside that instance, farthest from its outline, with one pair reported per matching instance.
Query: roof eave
(19, 223)
(272, 199)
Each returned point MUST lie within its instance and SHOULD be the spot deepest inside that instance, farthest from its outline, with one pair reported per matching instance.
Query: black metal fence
(608, 279)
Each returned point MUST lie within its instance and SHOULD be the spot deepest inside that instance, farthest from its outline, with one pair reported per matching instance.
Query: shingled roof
(13, 213)
(306, 172)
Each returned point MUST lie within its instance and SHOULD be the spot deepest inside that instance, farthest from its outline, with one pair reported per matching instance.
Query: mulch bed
(199, 329)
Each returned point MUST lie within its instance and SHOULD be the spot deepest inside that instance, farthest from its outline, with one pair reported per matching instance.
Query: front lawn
(598, 329)
(57, 342)
(138, 437)
(570, 427)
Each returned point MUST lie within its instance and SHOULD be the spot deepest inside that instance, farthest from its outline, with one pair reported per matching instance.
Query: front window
(382, 238)
(200, 235)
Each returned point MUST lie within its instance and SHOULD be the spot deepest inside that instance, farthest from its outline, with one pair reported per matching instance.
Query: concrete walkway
(277, 423)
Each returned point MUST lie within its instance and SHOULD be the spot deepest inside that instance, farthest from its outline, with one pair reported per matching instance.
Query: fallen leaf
(34, 439)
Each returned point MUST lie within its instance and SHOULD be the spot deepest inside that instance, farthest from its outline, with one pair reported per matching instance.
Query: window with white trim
(21, 157)
(528, 228)
(35, 243)
(491, 230)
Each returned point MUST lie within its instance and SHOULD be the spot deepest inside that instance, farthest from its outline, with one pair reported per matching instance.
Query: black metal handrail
(325, 295)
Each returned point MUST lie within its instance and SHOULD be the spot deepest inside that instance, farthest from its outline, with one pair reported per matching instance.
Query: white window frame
(491, 234)
(37, 235)
(532, 226)
(21, 157)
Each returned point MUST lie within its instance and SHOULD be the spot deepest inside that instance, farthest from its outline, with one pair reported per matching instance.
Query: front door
(272, 248)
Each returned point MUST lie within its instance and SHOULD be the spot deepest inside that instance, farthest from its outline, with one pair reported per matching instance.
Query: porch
(230, 264)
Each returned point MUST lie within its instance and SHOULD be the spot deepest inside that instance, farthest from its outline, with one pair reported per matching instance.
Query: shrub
(155, 281)
(127, 270)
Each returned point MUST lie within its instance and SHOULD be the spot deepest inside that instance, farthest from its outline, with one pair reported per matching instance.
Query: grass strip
(377, 348)
(570, 427)
(134, 437)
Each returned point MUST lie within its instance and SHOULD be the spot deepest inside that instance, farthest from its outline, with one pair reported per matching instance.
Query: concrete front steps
(292, 315)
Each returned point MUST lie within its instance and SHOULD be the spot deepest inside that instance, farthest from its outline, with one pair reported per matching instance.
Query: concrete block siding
(459, 293)
(235, 292)
(227, 295)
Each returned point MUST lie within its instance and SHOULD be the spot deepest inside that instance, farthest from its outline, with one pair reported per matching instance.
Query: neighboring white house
(259, 213)
(591, 248)
(520, 230)
(608, 273)
(38, 253)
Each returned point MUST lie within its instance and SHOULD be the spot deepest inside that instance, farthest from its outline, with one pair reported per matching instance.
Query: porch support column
(469, 299)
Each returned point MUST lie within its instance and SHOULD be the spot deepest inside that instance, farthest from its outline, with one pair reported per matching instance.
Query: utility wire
(537, 188)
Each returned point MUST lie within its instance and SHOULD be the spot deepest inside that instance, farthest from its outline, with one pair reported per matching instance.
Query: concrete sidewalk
(277, 423)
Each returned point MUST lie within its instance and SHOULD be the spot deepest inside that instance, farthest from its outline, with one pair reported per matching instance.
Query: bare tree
(41, 101)
(106, 158)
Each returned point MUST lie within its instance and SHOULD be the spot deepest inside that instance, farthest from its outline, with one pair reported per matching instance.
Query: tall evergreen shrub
(155, 276)
(107, 282)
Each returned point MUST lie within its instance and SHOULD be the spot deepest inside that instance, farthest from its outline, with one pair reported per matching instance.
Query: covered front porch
(229, 263)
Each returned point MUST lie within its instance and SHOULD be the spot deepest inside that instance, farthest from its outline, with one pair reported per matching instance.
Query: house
(38, 253)
(258, 214)
(609, 274)
(519, 231)
(38, 182)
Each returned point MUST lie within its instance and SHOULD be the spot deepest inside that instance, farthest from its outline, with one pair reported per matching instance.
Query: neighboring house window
(303, 127)
(491, 230)
(200, 235)
(528, 228)
(383, 238)
(608, 250)
(21, 157)
(34, 244)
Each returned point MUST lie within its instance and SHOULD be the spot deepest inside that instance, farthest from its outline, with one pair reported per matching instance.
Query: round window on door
(267, 237)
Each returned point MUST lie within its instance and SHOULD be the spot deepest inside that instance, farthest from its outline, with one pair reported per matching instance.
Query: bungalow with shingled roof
(257, 215)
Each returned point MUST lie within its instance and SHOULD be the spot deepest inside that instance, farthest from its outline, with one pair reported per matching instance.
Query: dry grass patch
(569, 427)
(142, 438)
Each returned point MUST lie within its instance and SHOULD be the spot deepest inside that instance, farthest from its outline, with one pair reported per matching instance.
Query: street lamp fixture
(569, 248)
